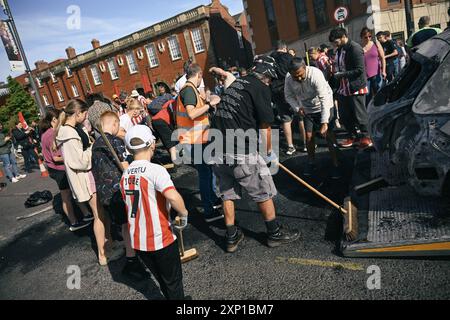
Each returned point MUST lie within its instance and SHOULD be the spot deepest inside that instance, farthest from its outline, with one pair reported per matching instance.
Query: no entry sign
(341, 14)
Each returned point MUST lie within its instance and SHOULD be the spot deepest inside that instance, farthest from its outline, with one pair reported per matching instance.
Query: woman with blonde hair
(76, 148)
(134, 115)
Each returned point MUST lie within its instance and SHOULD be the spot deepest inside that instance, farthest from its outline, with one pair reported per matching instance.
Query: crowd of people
(99, 152)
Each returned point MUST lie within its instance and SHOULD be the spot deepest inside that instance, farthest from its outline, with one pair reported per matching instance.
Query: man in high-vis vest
(193, 133)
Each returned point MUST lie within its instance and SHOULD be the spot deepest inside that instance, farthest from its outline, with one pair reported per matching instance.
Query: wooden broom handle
(304, 183)
(111, 149)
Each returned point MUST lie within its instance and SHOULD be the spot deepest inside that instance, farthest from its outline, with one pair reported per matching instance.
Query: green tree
(19, 101)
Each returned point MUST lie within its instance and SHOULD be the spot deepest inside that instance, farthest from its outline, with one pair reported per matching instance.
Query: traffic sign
(341, 14)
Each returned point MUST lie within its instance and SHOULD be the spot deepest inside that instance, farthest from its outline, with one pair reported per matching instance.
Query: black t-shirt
(245, 105)
(188, 96)
(106, 172)
(389, 47)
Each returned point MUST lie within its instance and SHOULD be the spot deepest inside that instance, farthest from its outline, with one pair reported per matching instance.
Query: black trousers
(165, 265)
(353, 113)
(28, 155)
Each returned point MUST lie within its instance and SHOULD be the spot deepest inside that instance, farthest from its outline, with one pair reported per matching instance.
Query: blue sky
(42, 24)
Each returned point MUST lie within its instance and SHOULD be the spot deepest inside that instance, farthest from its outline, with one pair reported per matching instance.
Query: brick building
(208, 35)
(305, 21)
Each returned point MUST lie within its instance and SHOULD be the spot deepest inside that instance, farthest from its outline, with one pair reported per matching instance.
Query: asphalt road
(35, 253)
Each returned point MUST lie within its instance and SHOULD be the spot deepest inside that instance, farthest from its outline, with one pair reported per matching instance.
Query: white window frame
(39, 82)
(97, 80)
(54, 79)
(130, 55)
(198, 41)
(171, 48)
(69, 72)
(110, 62)
(45, 98)
(60, 95)
(153, 61)
(75, 91)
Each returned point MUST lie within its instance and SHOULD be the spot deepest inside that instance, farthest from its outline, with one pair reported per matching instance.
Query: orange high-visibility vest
(192, 131)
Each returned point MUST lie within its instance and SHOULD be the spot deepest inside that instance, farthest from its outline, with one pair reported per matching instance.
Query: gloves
(181, 222)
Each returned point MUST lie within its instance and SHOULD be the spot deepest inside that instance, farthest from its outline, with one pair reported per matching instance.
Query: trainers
(336, 173)
(216, 215)
(79, 225)
(348, 143)
(365, 143)
(22, 176)
(291, 151)
(135, 270)
(14, 180)
(114, 251)
(283, 236)
(234, 241)
(304, 149)
(309, 169)
(88, 218)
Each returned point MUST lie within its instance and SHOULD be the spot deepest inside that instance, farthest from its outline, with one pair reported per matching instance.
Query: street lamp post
(409, 17)
(37, 97)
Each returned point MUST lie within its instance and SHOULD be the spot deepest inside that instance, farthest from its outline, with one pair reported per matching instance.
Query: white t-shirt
(125, 122)
(143, 186)
(182, 81)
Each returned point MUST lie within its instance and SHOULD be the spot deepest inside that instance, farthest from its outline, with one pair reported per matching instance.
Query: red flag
(22, 121)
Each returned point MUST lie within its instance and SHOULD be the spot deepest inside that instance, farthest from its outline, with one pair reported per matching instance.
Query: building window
(39, 82)
(241, 39)
(197, 39)
(321, 13)
(52, 75)
(112, 69)
(271, 21)
(45, 98)
(60, 95)
(152, 55)
(75, 90)
(174, 47)
(302, 16)
(96, 75)
(132, 66)
(68, 72)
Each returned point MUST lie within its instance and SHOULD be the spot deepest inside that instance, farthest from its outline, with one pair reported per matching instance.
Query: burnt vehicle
(410, 118)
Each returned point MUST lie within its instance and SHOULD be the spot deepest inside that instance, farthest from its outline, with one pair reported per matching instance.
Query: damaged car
(410, 118)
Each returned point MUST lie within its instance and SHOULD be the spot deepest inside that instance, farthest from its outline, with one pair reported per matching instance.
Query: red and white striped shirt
(344, 88)
(143, 186)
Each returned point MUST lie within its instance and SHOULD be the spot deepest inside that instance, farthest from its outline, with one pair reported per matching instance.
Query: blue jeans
(206, 180)
(10, 165)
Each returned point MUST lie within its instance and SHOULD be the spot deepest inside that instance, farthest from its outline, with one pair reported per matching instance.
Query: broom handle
(315, 191)
(111, 149)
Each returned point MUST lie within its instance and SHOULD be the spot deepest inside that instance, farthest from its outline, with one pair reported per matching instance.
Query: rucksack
(158, 104)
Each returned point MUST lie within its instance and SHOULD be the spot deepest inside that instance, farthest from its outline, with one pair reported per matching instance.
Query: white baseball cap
(142, 132)
(134, 94)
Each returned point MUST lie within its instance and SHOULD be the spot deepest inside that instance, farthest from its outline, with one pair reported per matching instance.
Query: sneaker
(114, 252)
(79, 225)
(22, 176)
(309, 170)
(348, 143)
(336, 173)
(216, 215)
(304, 149)
(291, 151)
(365, 143)
(14, 180)
(234, 241)
(88, 218)
(134, 269)
(283, 236)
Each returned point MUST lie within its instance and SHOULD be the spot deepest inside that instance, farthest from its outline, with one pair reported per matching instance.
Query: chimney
(71, 53)
(95, 43)
(41, 65)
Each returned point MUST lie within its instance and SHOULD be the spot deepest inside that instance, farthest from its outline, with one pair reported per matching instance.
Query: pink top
(47, 141)
(372, 61)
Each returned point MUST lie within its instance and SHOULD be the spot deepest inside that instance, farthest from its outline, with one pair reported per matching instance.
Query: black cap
(265, 65)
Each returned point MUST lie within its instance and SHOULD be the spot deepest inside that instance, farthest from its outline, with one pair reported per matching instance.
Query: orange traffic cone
(44, 172)
(1, 173)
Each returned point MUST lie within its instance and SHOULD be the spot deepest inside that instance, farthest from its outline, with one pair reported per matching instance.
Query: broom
(348, 211)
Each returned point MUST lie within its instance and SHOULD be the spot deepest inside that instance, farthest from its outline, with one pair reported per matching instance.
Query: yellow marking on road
(320, 263)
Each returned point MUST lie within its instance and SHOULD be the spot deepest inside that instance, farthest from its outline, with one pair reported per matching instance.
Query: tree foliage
(19, 101)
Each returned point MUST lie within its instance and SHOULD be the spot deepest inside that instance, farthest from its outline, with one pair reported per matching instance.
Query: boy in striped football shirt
(149, 194)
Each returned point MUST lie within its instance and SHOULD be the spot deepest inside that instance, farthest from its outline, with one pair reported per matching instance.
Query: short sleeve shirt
(143, 186)
(126, 123)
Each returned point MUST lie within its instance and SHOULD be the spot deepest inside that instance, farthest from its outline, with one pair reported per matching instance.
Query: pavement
(35, 253)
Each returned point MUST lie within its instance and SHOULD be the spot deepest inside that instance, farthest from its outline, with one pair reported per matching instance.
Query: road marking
(320, 263)
(36, 213)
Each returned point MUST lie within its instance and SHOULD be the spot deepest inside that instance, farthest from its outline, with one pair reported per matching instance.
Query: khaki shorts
(253, 176)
